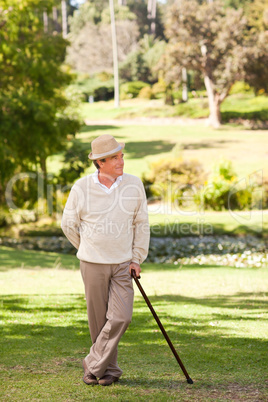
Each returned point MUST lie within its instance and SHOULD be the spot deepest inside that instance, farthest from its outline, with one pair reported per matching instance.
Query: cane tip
(190, 381)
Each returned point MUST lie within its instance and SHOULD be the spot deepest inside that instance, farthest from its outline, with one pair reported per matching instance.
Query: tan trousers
(109, 296)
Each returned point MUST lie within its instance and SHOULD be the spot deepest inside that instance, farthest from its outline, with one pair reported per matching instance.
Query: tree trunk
(64, 18)
(45, 21)
(169, 100)
(151, 14)
(115, 56)
(55, 19)
(184, 85)
(43, 163)
(214, 104)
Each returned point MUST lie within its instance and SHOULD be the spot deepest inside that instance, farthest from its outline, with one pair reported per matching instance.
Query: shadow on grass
(13, 258)
(176, 230)
(91, 128)
(208, 144)
(140, 149)
(59, 333)
(238, 301)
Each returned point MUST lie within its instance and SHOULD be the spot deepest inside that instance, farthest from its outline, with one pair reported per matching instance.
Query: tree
(148, 13)
(35, 113)
(90, 37)
(208, 38)
(256, 67)
(140, 64)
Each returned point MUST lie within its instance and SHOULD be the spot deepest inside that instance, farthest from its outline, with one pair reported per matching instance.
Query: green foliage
(103, 93)
(260, 115)
(159, 88)
(222, 190)
(134, 67)
(90, 36)
(100, 86)
(189, 25)
(140, 64)
(183, 183)
(153, 50)
(121, 13)
(240, 87)
(170, 177)
(139, 8)
(248, 107)
(131, 89)
(104, 76)
(76, 161)
(194, 108)
(146, 93)
(88, 12)
(218, 42)
(35, 112)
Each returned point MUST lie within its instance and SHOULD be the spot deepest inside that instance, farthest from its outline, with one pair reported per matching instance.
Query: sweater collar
(107, 190)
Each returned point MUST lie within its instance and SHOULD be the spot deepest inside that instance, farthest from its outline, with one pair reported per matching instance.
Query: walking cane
(136, 279)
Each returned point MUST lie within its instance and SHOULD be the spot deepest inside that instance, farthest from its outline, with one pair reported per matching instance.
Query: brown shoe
(88, 378)
(108, 380)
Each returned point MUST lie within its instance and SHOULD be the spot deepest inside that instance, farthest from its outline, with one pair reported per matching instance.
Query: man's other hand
(136, 267)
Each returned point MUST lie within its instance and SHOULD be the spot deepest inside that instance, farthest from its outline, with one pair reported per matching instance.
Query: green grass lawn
(216, 318)
(240, 104)
(209, 223)
(144, 144)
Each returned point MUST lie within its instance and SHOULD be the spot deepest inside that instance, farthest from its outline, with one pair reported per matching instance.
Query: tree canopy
(90, 37)
(211, 39)
(34, 110)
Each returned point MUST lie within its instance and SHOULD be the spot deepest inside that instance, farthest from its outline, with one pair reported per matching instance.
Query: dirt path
(147, 121)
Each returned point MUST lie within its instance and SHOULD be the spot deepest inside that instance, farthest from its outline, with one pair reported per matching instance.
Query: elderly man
(106, 219)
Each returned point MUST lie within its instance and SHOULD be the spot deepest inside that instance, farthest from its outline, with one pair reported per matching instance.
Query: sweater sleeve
(70, 222)
(141, 229)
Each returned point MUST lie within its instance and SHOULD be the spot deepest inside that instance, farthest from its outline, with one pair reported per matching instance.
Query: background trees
(90, 37)
(216, 43)
(90, 33)
(210, 39)
(256, 67)
(35, 112)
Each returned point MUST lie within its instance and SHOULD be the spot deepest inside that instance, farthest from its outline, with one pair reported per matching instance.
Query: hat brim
(94, 157)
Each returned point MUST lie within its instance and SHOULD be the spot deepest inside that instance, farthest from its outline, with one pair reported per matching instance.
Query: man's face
(113, 165)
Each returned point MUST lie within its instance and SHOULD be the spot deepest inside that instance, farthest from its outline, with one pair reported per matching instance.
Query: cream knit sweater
(107, 228)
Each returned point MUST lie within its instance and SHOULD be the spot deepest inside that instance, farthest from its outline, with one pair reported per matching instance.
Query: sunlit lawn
(245, 148)
(207, 223)
(216, 318)
(194, 108)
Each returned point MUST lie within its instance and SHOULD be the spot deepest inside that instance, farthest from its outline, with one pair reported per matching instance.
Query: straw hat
(105, 145)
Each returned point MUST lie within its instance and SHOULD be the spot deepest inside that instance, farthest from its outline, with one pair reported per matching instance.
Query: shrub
(134, 67)
(100, 86)
(159, 88)
(222, 191)
(104, 76)
(240, 87)
(132, 89)
(261, 115)
(169, 178)
(265, 193)
(183, 182)
(146, 93)
(103, 93)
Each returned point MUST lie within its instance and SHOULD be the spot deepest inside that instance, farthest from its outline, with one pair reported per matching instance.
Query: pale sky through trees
(78, 2)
